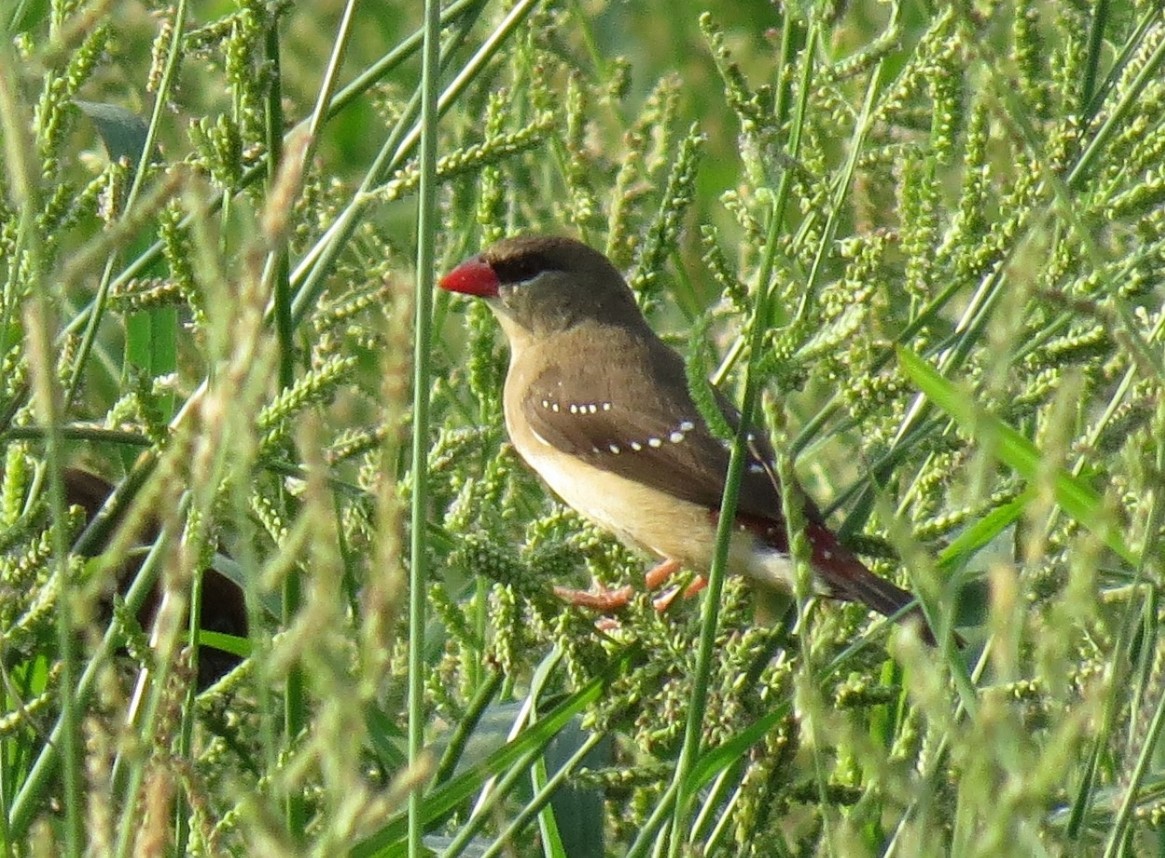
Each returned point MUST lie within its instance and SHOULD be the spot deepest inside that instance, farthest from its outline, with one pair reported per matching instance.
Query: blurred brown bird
(222, 606)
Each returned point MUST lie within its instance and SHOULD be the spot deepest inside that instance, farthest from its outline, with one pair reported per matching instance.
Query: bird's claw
(598, 600)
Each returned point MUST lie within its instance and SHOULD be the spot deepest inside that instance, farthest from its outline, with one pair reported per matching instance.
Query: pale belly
(649, 519)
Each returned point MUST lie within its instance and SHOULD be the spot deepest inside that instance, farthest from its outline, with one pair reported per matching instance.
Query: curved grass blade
(1073, 495)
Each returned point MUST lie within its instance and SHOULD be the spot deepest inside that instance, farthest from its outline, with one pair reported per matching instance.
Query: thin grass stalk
(716, 812)
(308, 276)
(709, 618)
(705, 770)
(499, 789)
(151, 688)
(794, 519)
(173, 52)
(1126, 53)
(496, 789)
(349, 94)
(151, 340)
(551, 836)
(664, 808)
(840, 191)
(542, 797)
(427, 227)
(690, 749)
(47, 396)
(1118, 833)
(515, 757)
(8, 766)
(1115, 120)
(1086, 791)
(277, 263)
(1141, 655)
(1095, 50)
(185, 749)
(277, 282)
(325, 102)
(143, 719)
(366, 80)
(463, 732)
(89, 336)
(34, 790)
(18, 13)
(24, 184)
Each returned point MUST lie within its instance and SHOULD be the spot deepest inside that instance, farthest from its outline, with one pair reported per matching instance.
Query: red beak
(472, 277)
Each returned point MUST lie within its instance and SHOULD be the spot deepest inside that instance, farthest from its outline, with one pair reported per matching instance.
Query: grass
(925, 244)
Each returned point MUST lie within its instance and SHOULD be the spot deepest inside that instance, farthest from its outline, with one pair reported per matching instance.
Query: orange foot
(612, 600)
(599, 600)
(664, 601)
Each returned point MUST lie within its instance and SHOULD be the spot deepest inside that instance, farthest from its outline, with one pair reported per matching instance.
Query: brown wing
(642, 424)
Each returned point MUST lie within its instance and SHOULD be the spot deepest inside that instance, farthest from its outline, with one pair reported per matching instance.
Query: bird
(600, 408)
(222, 607)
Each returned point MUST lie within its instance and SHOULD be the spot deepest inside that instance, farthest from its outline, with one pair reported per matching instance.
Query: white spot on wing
(614, 448)
(606, 406)
(654, 442)
(554, 407)
(687, 426)
(573, 408)
(676, 437)
(636, 446)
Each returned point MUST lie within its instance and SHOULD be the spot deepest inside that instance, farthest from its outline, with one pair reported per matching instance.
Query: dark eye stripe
(519, 269)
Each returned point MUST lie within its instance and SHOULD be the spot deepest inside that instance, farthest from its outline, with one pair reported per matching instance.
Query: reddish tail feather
(849, 579)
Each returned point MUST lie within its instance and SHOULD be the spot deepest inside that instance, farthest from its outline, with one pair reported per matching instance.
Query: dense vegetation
(931, 239)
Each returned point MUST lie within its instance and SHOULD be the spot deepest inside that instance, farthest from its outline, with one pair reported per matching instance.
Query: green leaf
(122, 131)
(443, 799)
(1075, 497)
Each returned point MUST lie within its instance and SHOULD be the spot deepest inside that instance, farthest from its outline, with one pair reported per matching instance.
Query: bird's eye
(519, 269)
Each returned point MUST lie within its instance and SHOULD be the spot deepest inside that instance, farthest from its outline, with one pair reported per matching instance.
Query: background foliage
(931, 235)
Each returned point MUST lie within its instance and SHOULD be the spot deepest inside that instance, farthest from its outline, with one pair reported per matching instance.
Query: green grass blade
(1076, 498)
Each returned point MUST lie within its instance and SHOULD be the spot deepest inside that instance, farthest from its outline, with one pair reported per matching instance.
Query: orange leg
(599, 600)
(664, 601)
(657, 575)
(612, 600)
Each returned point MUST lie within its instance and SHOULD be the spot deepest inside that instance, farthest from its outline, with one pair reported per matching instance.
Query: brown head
(542, 285)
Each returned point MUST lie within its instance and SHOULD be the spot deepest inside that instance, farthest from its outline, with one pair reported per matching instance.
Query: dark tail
(848, 579)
